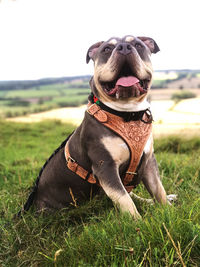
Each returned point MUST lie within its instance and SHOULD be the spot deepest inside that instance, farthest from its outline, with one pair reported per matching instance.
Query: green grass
(44, 91)
(96, 233)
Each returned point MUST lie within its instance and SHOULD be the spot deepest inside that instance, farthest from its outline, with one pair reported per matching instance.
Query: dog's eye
(138, 46)
(107, 49)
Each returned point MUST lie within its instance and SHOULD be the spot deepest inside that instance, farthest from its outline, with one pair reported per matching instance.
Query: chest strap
(134, 133)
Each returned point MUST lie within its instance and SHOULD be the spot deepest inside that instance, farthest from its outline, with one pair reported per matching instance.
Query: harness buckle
(132, 173)
(70, 158)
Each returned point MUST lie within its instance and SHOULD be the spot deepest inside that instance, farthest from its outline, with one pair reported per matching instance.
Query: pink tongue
(127, 81)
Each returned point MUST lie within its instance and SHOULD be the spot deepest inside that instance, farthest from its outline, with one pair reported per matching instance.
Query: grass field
(96, 233)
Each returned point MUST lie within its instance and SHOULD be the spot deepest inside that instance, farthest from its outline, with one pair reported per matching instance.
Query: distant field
(182, 118)
(166, 93)
(185, 83)
(24, 101)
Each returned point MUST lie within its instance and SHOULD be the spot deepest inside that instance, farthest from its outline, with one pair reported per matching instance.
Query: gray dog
(112, 149)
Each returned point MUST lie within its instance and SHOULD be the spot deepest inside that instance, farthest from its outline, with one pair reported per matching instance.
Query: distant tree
(41, 101)
(182, 95)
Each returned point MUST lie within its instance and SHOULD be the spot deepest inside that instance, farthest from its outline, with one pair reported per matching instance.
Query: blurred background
(43, 45)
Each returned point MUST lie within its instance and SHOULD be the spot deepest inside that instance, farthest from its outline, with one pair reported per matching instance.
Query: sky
(50, 38)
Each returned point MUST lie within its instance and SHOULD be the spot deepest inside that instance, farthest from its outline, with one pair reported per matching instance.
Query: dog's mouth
(126, 85)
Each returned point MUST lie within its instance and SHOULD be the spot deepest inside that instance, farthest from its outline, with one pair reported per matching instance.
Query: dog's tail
(31, 197)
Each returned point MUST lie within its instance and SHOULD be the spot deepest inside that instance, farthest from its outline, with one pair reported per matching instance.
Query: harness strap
(76, 168)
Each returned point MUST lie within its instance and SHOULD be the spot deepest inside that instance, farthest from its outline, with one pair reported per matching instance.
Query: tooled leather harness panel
(134, 133)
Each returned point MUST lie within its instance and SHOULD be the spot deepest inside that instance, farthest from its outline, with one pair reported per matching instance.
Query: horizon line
(90, 75)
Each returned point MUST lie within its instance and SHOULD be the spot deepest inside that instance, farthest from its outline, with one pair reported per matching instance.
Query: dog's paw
(171, 198)
(147, 200)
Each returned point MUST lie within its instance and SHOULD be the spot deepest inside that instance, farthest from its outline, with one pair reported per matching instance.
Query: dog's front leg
(152, 182)
(110, 181)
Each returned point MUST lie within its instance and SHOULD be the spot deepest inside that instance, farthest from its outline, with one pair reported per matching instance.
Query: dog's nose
(124, 48)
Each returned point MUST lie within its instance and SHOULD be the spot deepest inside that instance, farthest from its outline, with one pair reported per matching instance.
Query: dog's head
(122, 68)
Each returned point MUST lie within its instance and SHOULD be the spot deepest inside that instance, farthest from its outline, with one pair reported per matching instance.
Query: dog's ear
(150, 43)
(92, 51)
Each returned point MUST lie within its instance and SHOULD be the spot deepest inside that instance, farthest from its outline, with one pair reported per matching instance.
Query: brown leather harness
(134, 133)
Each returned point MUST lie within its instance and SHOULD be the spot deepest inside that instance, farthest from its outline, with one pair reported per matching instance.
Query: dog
(99, 152)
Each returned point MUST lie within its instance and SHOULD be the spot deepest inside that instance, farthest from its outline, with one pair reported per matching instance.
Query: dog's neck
(128, 107)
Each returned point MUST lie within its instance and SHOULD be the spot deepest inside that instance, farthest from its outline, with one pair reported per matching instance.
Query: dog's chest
(119, 150)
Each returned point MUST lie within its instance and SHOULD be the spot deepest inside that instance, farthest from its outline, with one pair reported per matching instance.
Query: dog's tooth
(126, 93)
(137, 92)
(133, 91)
(117, 95)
